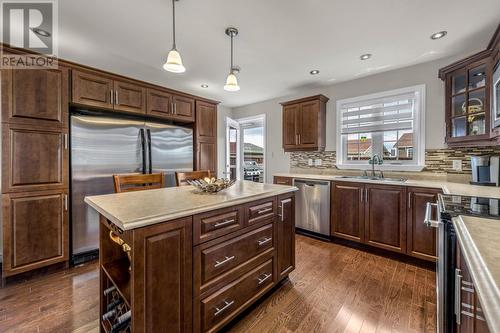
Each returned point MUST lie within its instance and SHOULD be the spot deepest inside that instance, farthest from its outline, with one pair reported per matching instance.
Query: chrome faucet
(376, 159)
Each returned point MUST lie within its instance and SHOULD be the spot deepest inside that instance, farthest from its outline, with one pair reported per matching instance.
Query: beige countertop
(480, 244)
(141, 208)
(447, 187)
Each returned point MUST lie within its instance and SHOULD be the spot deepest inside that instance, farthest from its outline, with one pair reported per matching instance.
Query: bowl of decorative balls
(211, 185)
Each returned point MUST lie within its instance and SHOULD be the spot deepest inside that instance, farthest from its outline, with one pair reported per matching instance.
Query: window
(390, 124)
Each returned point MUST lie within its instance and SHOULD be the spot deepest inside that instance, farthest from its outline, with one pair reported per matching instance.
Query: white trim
(260, 117)
(234, 124)
(419, 131)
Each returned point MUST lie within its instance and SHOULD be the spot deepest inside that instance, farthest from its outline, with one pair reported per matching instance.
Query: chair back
(181, 178)
(138, 182)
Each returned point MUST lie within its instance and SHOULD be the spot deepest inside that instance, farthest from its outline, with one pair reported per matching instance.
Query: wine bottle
(109, 290)
(114, 304)
(122, 322)
(109, 314)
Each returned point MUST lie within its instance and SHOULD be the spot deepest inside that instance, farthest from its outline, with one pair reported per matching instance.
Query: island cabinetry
(285, 230)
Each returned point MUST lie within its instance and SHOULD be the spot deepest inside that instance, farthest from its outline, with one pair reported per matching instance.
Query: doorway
(245, 148)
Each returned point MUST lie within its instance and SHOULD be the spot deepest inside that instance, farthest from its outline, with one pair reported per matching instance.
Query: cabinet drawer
(220, 307)
(225, 256)
(217, 223)
(283, 180)
(261, 210)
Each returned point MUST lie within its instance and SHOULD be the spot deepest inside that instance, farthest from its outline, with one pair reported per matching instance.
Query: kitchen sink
(383, 179)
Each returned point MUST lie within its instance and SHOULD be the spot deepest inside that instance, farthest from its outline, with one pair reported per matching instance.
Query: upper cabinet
(304, 124)
(163, 104)
(102, 91)
(470, 98)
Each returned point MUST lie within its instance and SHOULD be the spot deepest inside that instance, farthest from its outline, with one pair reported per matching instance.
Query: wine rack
(117, 318)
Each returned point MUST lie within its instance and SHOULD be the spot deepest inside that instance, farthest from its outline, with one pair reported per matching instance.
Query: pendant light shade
(231, 80)
(174, 61)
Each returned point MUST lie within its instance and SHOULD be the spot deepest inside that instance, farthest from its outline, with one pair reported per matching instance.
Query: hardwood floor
(333, 289)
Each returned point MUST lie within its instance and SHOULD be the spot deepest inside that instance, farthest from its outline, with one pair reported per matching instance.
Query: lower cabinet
(285, 230)
(35, 230)
(421, 240)
(347, 211)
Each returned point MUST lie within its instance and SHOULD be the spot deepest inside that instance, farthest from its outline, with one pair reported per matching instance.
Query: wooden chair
(181, 178)
(138, 182)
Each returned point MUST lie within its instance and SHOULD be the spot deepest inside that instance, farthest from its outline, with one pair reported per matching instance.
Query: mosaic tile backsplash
(436, 160)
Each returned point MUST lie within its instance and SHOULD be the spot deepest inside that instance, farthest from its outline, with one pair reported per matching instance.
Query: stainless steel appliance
(312, 212)
(449, 306)
(102, 146)
(485, 170)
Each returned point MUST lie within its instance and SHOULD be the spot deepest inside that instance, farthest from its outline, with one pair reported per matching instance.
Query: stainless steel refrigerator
(102, 146)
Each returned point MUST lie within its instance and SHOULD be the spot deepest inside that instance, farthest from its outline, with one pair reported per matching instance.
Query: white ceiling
(280, 41)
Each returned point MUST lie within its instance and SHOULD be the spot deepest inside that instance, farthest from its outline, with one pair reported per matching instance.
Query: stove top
(455, 205)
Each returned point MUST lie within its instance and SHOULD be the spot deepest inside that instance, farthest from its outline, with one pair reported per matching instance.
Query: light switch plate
(457, 165)
(310, 161)
(318, 162)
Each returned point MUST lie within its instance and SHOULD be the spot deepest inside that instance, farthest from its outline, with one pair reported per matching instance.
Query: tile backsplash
(436, 160)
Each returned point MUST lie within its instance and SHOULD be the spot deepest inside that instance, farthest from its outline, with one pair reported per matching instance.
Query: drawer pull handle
(264, 241)
(223, 223)
(227, 305)
(263, 211)
(227, 259)
(263, 279)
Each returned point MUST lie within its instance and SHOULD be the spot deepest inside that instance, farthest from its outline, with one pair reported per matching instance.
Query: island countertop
(137, 209)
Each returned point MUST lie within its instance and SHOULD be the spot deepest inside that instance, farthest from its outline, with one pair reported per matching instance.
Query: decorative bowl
(211, 185)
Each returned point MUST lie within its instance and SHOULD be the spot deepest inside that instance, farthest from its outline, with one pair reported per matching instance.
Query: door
(35, 97)
(100, 148)
(170, 149)
(206, 156)
(92, 89)
(129, 97)
(347, 212)
(385, 217)
(290, 118)
(183, 108)
(35, 230)
(233, 149)
(308, 124)
(35, 158)
(285, 229)
(421, 239)
(206, 120)
(159, 103)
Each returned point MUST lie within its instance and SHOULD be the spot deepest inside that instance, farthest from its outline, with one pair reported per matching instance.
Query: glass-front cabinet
(468, 116)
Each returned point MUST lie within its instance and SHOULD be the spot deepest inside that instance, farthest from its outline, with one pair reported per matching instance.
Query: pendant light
(232, 80)
(174, 61)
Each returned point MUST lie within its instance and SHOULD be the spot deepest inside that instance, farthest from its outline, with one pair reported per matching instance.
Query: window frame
(418, 132)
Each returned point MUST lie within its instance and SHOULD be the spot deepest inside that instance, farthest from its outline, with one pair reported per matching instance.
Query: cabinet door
(34, 158)
(286, 235)
(163, 277)
(290, 137)
(184, 108)
(35, 97)
(347, 211)
(206, 155)
(421, 240)
(206, 120)
(159, 103)
(35, 230)
(385, 217)
(308, 124)
(129, 97)
(466, 293)
(480, 320)
(92, 89)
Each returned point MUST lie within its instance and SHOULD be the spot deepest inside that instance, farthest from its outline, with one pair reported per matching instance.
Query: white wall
(425, 73)
(222, 113)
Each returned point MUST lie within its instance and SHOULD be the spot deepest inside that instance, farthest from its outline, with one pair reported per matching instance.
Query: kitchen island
(183, 261)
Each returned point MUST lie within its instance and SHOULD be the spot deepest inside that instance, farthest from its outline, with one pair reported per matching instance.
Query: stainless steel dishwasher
(312, 212)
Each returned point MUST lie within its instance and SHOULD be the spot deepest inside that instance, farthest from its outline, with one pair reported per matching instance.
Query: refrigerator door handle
(143, 148)
(150, 161)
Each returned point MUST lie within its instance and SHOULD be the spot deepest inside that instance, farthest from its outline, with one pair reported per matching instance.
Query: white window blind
(388, 113)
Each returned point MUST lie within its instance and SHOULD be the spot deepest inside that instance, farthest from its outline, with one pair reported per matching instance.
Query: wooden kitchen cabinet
(184, 109)
(421, 240)
(347, 211)
(385, 217)
(283, 180)
(206, 137)
(304, 124)
(35, 97)
(35, 229)
(286, 235)
(129, 97)
(163, 104)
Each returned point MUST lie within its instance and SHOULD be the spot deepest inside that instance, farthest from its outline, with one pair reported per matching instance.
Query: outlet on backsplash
(457, 165)
(318, 162)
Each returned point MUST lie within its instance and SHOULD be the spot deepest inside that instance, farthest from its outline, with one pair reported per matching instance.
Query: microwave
(496, 96)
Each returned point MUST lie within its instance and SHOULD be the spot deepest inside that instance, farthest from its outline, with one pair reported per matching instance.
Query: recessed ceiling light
(41, 32)
(314, 72)
(479, 74)
(204, 85)
(438, 35)
(365, 56)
